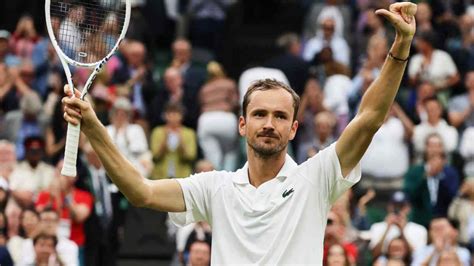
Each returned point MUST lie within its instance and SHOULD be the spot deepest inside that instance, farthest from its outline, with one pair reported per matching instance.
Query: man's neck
(261, 170)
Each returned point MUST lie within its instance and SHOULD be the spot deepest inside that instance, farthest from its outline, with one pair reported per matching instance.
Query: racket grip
(70, 153)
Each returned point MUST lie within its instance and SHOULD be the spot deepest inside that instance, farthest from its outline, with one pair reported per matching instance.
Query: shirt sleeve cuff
(183, 218)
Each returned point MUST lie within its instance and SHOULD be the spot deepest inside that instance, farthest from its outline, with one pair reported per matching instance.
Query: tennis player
(271, 211)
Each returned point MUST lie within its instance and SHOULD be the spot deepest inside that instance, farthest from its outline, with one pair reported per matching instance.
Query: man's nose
(269, 123)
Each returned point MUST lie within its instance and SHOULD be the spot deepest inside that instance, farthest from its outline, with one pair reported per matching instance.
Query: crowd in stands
(172, 109)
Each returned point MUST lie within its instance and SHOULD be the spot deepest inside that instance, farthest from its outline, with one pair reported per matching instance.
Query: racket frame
(73, 131)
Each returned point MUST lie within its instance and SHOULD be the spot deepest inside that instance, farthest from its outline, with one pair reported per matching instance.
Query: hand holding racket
(88, 34)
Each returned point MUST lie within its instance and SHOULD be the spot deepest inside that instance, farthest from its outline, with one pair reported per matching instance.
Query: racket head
(86, 32)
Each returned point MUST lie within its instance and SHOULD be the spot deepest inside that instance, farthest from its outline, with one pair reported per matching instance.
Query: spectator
(312, 103)
(396, 225)
(337, 256)
(461, 107)
(376, 53)
(398, 250)
(199, 254)
(434, 124)
(415, 105)
(433, 65)
(24, 37)
(462, 210)
(173, 145)
(105, 224)
(70, 34)
(423, 17)
(290, 62)
(193, 76)
(336, 90)
(207, 23)
(6, 56)
(65, 249)
(324, 126)
(129, 137)
(390, 139)
(45, 250)
(431, 185)
(327, 38)
(369, 26)
(55, 134)
(176, 92)
(28, 178)
(29, 227)
(46, 62)
(322, 10)
(12, 89)
(336, 234)
(218, 122)
(26, 122)
(133, 79)
(73, 205)
(443, 237)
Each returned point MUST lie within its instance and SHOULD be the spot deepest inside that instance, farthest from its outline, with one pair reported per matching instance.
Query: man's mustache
(268, 133)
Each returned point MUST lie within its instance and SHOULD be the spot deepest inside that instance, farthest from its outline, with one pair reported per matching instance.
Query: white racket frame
(74, 131)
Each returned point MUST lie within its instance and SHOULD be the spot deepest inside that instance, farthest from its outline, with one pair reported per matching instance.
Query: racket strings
(89, 29)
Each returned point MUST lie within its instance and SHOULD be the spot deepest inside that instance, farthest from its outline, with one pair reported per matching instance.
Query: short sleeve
(324, 171)
(197, 192)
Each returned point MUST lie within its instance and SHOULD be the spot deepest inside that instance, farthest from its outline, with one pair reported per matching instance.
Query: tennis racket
(84, 33)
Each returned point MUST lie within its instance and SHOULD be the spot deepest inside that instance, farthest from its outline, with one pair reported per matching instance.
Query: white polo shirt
(280, 222)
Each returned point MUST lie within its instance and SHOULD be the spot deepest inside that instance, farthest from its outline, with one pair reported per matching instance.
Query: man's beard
(264, 151)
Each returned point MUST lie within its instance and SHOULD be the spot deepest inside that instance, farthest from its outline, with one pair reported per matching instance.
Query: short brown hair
(270, 84)
(45, 236)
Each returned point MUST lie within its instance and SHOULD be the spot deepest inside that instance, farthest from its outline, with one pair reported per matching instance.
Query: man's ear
(293, 129)
(242, 126)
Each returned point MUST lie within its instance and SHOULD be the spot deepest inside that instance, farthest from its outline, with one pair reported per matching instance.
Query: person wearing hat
(396, 224)
(26, 122)
(130, 138)
(28, 178)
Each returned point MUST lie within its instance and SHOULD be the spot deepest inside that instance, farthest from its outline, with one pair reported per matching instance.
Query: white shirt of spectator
(415, 234)
(131, 142)
(448, 134)
(256, 73)
(280, 222)
(67, 251)
(438, 71)
(389, 140)
(421, 254)
(336, 89)
(340, 49)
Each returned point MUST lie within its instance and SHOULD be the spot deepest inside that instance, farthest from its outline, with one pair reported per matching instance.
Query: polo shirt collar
(242, 177)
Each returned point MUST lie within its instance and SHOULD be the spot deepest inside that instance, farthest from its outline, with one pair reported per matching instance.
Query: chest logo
(287, 193)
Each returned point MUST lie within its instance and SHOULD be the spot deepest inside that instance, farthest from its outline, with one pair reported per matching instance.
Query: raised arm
(378, 98)
(164, 195)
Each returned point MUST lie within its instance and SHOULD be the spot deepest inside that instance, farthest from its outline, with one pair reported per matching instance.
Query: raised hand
(76, 110)
(402, 17)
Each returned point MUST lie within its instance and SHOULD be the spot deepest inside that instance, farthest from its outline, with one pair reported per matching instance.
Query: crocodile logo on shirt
(287, 193)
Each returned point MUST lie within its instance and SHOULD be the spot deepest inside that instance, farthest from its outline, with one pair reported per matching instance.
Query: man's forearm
(121, 171)
(380, 95)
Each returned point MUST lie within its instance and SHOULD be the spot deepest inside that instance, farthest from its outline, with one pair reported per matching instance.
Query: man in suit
(431, 185)
(104, 227)
(290, 62)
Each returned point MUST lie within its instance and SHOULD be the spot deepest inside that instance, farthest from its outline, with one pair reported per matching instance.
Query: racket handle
(70, 153)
